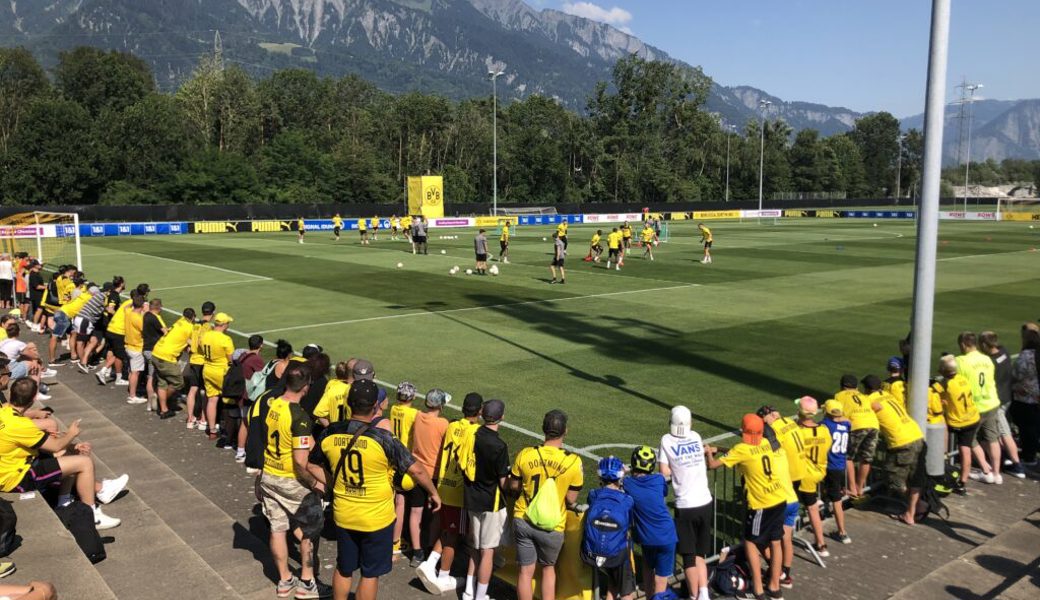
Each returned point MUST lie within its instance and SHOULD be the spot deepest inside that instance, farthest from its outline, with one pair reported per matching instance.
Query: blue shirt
(839, 443)
(653, 523)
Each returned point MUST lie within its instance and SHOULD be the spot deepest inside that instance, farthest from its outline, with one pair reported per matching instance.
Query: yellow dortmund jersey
(816, 442)
(647, 234)
(561, 229)
(857, 409)
(956, 394)
(505, 233)
(20, 442)
(375, 222)
(897, 387)
(980, 371)
(337, 222)
(300, 225)
(72, 308)
(449, 474)
(333, 403)
(763, 477)
(134, 326)
(395, 223)
(534, 465)
(198, 330)
(288, 429)
(117, 325)
(173, 342)
(595, 240)
(787, 434)
(362, 225)
(614, 240)
(897, 427)
(65, 289)
(626, 231)
(362, 490)
(402, 417)
(706, 234)
(935, 407)
(216, 348)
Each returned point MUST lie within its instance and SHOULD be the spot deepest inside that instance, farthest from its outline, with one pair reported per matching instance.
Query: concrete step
(1005, 566)
(172, 539)
(48, 552)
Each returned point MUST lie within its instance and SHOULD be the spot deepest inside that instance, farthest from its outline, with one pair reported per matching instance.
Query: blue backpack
(607, 524)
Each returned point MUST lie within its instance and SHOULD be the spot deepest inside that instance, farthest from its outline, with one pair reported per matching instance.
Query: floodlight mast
(494, 75)
(764, 105)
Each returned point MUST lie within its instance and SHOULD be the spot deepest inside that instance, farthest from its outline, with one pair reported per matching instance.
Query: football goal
(50, 237)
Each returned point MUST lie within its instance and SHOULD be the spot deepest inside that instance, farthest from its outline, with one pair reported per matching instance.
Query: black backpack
(731, 576)
(234, 387)
(8, 522)
(78, 518)
(930, 503)
(256, 435)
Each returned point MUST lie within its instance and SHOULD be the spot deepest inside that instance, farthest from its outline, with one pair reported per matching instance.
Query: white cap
(680, 423)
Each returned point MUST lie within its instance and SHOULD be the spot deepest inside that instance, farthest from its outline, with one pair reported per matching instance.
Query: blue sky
(862, 54)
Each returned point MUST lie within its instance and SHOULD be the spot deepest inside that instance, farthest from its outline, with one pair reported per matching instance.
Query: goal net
(1018, 208)
(528, 211)
(50, 237)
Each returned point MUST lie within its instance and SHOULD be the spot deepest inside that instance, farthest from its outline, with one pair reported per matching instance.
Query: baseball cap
(679, 425)
(363, 395)
(222, 318)
(435, 398)
(807, 406)
(872, 382)
(471, 404)
(751, 429)
(833, 408)
(895, 362)
(311, 350)
(848, 380)
(363, 370)
(765, 410)
(611, 469)
(493, 411)
(405, 391)
(106, 287)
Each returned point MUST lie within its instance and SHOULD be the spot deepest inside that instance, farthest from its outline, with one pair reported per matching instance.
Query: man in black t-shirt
(36, 287)
(990, 344)
(483, 499)
(153, 327)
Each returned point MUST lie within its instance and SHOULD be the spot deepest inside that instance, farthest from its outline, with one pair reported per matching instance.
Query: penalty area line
(197, 265)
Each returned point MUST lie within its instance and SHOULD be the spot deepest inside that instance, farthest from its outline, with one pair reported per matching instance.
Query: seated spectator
(36, 590)
(23, 468)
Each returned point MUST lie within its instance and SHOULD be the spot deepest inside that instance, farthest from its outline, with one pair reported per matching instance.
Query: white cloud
(615, 16)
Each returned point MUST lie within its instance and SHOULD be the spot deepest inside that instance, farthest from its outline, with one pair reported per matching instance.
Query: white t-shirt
(6, 269)
(685, 457)
(12, 347)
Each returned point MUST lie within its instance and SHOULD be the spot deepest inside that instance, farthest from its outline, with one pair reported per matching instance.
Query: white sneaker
(200, 425)
(121, 381)
(65, 344)
(43, 397)
(110, 488)
(447, 584)
(427, 574)
(136, 400)
(251, 471)
(999, 480)
(48, 373)
(983, 477)
(102, 376)
(103, 521)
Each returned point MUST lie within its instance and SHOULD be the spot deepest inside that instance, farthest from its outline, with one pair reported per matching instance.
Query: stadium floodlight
(494, 75)
(970, 88)
(764, 105)
(729, 138)
(899, 167)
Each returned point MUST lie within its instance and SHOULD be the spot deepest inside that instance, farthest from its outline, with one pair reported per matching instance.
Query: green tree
(534, 165)
(100, 80)
(215, 177)
(292, 161)
(877, 137)
(21, 81)
(152, 141)
(296, 99)
(808, 162)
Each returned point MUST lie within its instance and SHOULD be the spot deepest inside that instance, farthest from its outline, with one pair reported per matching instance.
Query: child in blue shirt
(606, 544)
(654, 526)
(834, 483)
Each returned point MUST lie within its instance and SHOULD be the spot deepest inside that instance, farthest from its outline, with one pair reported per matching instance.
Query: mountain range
(437, 46)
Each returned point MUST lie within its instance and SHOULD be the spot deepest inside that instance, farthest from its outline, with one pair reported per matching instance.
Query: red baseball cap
(751, 429)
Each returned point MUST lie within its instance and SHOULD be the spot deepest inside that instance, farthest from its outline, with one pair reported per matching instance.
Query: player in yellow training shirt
(904, 456)
(614, 248)
(647, 237)
(767, 487)
(433, 572)
(359, 460)
(706, 239)
(332, 407)
(863, 437)
(337, 226)
(216, 347)
(375, 228)
(301, 229)
(362, 225)
(962, 415)
(815, 441)
(626, 236)
(595, 249)
(503, 243)
(561, 230)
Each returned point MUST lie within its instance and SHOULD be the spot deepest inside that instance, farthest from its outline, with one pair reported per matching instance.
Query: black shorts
(370, 551)
(808, 499)
(557, 262)
(707, 245)
(614, 253)
(6, 286)
(419, 239)
(42, 474)
(482, 258)
(193, 376)
(765, 525)
(965, 436)
(620, 580)
(503, 245)
(416, 497)
(336, 230)
(832, 485)
(117, 344)
(693, 526)
(363, 232)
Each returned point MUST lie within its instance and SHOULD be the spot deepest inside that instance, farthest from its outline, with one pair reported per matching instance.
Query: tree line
(96, 130)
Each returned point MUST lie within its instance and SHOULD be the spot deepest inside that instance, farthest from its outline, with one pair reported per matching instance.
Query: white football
(493, 270)
(457, 268)
(400, 265)
(544, 239)
(469, 271)
(1030, 226)
(656, 243)
(444, 251)
(875, 224)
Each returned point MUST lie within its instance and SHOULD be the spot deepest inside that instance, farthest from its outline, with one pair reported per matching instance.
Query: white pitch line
(474, 308)
(198, 285)
(983, 255)
(184, 262)
(604, 446)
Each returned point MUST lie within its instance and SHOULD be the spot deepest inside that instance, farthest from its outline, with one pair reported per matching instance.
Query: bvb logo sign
(432, 195)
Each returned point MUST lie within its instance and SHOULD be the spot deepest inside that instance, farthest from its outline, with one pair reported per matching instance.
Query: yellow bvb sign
(426, 196)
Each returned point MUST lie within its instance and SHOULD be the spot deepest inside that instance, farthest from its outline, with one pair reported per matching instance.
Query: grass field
(784, 311)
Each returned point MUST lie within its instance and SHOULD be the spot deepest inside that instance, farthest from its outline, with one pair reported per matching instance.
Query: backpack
(607, 522)
(258, 382)
(8, 522)
(234, 386)
(256, 434)
(930, 503)
(78, 518)
(947, 482)
(730, 577)
(543, 510)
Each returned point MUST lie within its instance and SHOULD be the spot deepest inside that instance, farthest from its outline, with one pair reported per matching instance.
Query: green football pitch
(784, 310)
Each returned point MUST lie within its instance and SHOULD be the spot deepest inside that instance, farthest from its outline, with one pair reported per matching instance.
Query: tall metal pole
(763, 104)
(928, 222)
(967, 163)
(494, 127)
(729, 138)
(899, 170)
